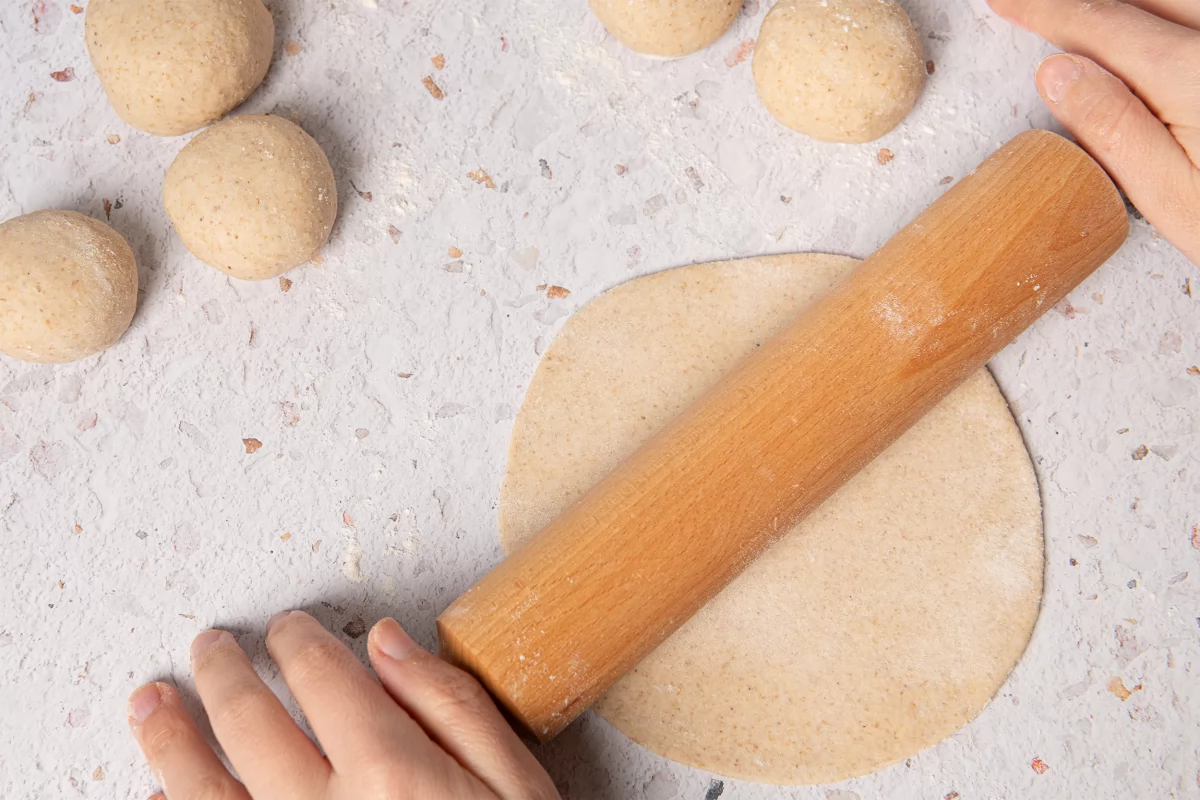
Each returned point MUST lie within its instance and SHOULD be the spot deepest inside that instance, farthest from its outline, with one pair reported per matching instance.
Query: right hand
(1128, 90)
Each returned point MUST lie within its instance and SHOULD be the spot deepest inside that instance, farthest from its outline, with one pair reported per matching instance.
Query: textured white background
(132, 518)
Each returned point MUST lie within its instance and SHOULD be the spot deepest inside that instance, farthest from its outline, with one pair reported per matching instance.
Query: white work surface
(132, 516)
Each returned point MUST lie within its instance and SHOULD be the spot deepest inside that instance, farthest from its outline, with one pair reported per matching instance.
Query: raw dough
(68, 286)
(666, 27)
(172, 66)
(838, 70)
(253, 196)
(877, 627)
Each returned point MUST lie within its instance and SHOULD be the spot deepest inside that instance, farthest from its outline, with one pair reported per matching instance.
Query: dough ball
(173, 66)
(68, 286)
(253, 196)
(667, 27)
(838, 70)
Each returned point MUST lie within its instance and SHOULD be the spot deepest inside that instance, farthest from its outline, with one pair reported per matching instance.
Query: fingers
(1140, 154)
(1181, 12)
(457, 713)
(272, 756)
(182, 762)
(1156, 58)
(355, 720)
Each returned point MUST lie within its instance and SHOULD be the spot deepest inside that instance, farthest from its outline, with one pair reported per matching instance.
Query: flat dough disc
(874, 629)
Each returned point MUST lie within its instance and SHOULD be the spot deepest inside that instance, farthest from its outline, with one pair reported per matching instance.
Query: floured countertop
(335, 440)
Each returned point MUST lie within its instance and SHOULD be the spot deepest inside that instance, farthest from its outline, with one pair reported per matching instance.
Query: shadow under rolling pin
(563, 618)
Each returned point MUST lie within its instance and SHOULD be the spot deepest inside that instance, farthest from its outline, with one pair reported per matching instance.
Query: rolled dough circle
(838, 70)
(253, 196)
(172, 66)
(68, 286)
(878, 626)
(667, 28)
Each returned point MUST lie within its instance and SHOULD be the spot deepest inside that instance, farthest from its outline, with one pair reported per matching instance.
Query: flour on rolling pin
(604, 583)
(937, 543)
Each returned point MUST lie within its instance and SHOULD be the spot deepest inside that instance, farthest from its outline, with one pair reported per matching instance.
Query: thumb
(1132, 145)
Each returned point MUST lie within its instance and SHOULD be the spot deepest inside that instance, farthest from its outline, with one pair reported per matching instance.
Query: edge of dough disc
(517, 520)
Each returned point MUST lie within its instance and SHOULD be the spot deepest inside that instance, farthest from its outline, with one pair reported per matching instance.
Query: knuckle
(212, 787)
(386, 778)
(1088, 8)
(218, 659)
(1090, 15)
(1107, 119)
(162, 740)
(389, 780)
(1053, 17)
(1068, 20)
(1177, 57)
(379, 778)
(456, 689)
(244, 706)
(315, 660)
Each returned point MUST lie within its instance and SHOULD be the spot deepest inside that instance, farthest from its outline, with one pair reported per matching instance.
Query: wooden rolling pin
(563, 618)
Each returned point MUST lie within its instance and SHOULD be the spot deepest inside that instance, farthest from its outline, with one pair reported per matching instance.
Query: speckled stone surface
(381, 385)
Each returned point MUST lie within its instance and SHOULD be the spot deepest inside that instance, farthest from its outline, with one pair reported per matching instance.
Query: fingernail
(392, 641)
(278, 618)
(205, 642)
(143, 702)
(1056, 74)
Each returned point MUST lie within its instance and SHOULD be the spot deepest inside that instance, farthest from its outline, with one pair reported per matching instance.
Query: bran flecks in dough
(879, 626)
(252, 196)
(667, 28)
(173, 66)
(838, 70)
(68, 286)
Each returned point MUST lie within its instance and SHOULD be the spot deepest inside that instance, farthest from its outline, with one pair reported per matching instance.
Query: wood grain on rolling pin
(558, 622)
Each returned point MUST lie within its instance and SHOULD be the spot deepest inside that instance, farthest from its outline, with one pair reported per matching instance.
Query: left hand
(423, 730)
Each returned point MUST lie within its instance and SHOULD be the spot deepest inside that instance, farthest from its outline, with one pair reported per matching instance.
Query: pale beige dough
(875, 628)
(838, 70)
(172, 66)
(68, 286)
(666, 27)
(253, 196)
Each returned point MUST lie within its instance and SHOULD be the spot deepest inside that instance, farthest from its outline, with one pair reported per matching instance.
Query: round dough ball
(838, 70)
(873, 629)
(253, 196)
(173, 66)
(68, 286)
(666, 27)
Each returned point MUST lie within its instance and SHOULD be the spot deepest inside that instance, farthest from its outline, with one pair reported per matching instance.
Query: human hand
(1129, 92)
(429, 731)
